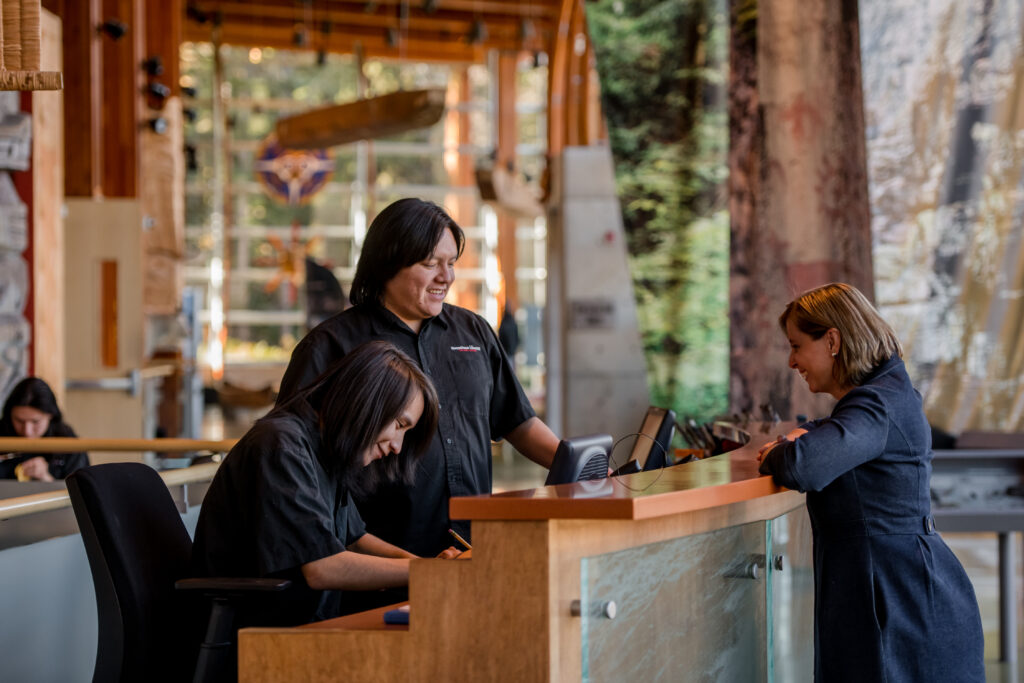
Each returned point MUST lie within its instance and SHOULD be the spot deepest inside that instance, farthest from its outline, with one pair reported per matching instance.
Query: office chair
(139, 553)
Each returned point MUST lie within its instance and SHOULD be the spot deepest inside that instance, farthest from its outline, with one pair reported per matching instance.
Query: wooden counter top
(370, 620)
(720, 480)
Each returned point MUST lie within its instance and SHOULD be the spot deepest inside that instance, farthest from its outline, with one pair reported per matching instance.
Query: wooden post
(507, 140)
(48, 252)
(83, 66)
(575, 104)
(558, 77)
(121, 104)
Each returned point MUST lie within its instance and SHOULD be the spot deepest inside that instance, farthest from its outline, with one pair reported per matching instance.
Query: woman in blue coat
(892, 603)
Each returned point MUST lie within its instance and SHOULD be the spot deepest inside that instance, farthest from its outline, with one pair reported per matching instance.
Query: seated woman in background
(31, 411)
(891, 601)
(280, 503)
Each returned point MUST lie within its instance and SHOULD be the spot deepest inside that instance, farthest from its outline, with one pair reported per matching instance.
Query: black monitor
(580, 458)
(651, 448)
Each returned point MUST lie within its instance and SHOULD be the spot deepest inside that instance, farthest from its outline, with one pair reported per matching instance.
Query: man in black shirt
(402, 278)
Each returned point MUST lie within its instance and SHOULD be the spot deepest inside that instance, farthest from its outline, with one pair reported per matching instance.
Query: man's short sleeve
(509, 405)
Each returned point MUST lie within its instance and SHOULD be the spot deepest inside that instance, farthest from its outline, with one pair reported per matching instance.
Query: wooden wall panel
(97, 231)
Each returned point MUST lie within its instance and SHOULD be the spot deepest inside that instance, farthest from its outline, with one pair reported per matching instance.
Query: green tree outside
(663, 68)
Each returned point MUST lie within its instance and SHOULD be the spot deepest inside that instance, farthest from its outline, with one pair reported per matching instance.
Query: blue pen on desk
(460, 539)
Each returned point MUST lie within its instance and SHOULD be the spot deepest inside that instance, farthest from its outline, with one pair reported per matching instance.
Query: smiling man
(404, 273)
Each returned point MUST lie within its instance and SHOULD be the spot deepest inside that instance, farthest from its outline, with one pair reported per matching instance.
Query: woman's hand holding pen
(791, 436)
(449, 553)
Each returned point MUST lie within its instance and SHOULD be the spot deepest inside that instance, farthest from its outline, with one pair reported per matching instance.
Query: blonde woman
(892, 603)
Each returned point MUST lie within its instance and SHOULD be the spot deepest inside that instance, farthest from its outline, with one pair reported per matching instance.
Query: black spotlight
(114, 28)
(153, 66)
(191, 163)
(477, 32)
(158, 90)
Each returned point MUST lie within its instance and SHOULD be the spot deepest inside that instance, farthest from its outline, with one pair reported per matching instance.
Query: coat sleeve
(855, 433)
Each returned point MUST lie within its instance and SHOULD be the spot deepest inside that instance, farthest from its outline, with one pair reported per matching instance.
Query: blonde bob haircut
(865, 340)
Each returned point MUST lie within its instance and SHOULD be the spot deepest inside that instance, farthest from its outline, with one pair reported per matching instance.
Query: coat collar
(893, 363)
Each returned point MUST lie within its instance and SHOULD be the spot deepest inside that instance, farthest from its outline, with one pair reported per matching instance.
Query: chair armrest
(232, 585)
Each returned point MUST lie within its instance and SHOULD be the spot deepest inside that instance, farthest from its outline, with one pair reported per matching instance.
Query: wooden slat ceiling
(421, 30)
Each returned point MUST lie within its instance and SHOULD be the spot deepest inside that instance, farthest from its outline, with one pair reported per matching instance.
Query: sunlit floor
(977, 552)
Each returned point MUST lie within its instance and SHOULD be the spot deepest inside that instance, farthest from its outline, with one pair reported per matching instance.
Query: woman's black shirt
(272, 507)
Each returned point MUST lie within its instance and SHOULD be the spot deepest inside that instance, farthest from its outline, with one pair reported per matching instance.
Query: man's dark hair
(404, 233)
(34, 393)
(357, 398)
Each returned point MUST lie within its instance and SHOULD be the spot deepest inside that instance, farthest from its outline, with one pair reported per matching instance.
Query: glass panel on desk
(686, 609)
(791, 595)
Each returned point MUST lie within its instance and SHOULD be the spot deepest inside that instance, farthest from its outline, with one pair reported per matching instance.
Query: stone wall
(15, 332)
(944, 104)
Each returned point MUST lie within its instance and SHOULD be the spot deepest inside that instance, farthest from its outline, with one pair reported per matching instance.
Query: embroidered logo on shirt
(466, 349)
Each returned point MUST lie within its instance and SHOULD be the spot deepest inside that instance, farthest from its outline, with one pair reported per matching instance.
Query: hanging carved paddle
(366, 119)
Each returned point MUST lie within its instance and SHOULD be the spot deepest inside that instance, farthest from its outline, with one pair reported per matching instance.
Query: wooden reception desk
(513, 612)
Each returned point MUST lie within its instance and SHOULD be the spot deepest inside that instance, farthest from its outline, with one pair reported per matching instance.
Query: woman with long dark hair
(31, 411)
(891, 601)
(280, 503)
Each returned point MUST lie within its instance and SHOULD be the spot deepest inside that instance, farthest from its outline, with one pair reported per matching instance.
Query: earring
(834, 353)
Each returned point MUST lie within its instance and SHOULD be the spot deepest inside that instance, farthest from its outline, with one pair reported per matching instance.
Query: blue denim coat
(892, 603)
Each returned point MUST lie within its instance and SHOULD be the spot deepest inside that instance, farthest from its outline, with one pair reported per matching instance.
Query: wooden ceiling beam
(375, 46)
(414, 46)
(339, 18)
(500, 36)
(521, 8)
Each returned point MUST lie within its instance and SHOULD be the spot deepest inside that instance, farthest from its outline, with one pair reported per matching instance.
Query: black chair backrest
(137, 547)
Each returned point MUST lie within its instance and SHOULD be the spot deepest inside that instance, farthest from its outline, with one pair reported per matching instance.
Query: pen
(460, 539)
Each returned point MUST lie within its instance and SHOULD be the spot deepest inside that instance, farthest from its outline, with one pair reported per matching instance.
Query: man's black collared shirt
(481, 401)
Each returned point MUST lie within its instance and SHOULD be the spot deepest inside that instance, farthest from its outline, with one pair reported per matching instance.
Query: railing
(54, 500)
(131, 383)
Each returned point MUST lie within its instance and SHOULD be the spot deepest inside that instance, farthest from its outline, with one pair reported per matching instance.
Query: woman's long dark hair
(404, 233)
(357, 398)
(34, 393)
